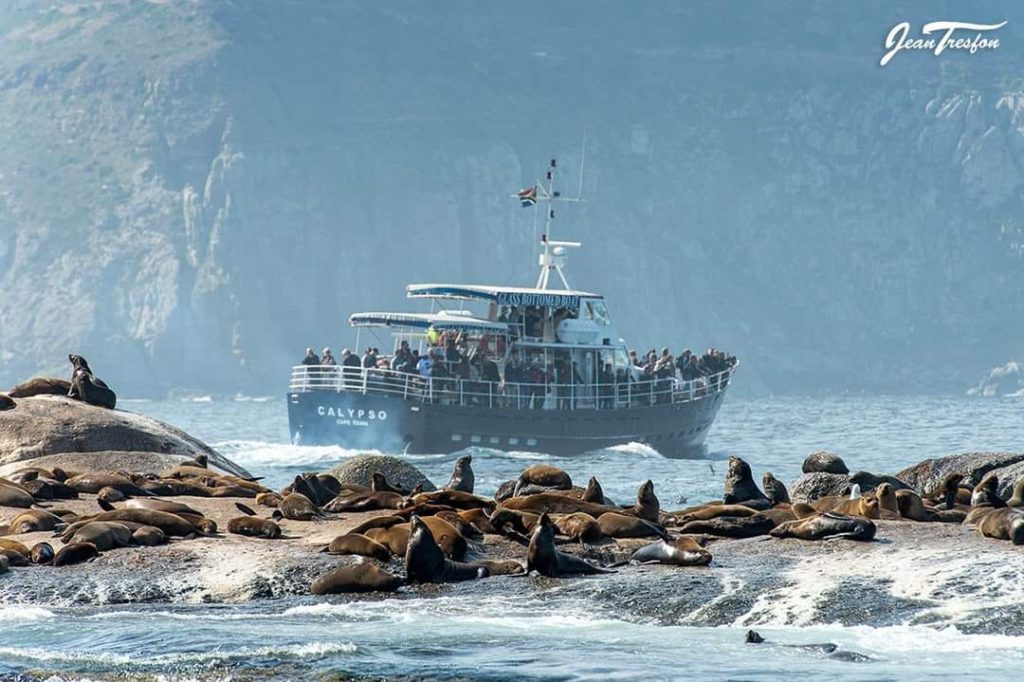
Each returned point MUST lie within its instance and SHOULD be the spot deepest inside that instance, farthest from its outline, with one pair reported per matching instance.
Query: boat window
(599, 312)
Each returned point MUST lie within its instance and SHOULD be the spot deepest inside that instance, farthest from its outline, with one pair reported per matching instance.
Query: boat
(527, 369)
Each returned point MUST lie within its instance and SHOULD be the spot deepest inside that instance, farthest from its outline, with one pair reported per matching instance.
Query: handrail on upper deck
(518, 395)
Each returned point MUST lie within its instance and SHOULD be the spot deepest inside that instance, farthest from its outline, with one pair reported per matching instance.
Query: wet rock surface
(811, 487)
(825, 463)
(398, 472)
(928, 475)
(48, 425)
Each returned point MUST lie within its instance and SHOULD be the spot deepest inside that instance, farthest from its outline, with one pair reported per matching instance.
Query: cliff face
(192, 193)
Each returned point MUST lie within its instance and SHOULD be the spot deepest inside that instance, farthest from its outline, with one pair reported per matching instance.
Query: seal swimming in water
(425, 562)
(544, 558)
(86, 387)
(362, 576)
(353, 543)
(740, 487)
(826, 525)
(683, 551)
(75, 553)
(462, 477)
(40, 386)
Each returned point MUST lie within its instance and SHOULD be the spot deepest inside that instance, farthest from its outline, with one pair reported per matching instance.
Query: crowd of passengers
(450, 358)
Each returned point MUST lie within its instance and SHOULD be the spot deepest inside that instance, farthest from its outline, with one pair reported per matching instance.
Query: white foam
(13, 614)
(304, 650)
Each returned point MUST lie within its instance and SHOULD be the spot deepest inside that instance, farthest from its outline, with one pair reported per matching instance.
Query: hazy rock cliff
(193, 192)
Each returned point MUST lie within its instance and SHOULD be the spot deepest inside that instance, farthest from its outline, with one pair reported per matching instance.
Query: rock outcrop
(811, 487)
(361, 468)
(55, 429)
(824, 463)
(147, 176)
(928, 475)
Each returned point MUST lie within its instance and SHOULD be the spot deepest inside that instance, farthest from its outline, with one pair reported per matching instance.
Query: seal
(544, 476)
(950, 493)
(148, 536)
(159, 505)
(774, 489)
(554, 503)
(253, 526)
(580, 527)
(865, 505)
(425, 562)
(40, 386)
(740, 487)
(379, 483)
(986, 493)
(886, 498)
(297, 507)
(500, 567)
(75, 553)
(827, 525)
(713, 511)
(268, 500)
(1005, 523)
(730, 526)
(396, 537)
(362, 576)
(13, 495)
(594, 493)
(42, 553)
(86, 387)
(105, 535)
(543, 557)
(96, 481)
(352, 543)
(456, 499)
(1017, 499)
(625, 526)
(462, 477)
(6, 402)
(647, 506)
(35, 520)
(363, 502)
(683, 551)
(109, 495)
(171, 524)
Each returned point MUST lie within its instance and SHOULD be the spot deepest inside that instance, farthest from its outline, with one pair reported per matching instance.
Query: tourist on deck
(327, 359)
(605, 385)
(633, 359)
(311, 358)
(350, 368)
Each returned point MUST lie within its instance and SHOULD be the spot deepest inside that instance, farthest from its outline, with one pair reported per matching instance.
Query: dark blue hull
(391, 423)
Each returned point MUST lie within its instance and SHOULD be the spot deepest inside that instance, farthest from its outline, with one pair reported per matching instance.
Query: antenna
(553, 256)
(583, 157)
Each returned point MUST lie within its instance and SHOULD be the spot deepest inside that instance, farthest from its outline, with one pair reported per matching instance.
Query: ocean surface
(547, 633)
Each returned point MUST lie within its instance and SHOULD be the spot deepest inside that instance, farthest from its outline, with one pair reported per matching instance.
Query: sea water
(547, 632)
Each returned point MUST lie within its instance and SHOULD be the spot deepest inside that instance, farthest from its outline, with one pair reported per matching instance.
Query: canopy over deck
(525, 296)
(423, 321)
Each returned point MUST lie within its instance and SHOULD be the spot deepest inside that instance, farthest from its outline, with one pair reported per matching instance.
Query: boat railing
(453, 390)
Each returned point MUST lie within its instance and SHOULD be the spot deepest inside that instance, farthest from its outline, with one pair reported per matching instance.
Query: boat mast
(553, 256)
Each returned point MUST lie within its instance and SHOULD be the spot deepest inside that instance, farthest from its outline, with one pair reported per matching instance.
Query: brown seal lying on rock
(40, 386)
(682, 551)
(827, 525)
(362, 576)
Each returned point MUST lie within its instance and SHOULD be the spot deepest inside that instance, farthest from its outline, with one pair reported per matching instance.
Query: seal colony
(404, 537)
